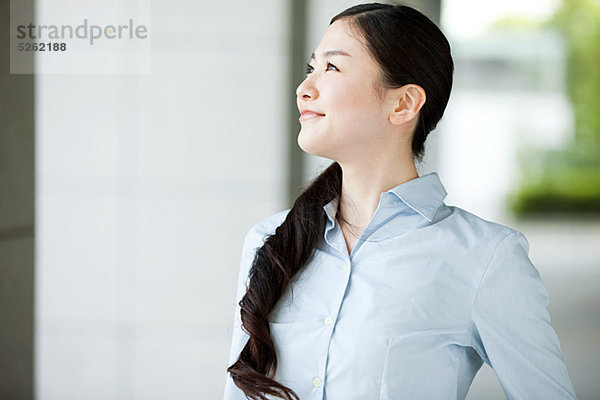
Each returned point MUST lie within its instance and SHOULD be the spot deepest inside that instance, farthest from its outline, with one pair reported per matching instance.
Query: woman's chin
(311, 146)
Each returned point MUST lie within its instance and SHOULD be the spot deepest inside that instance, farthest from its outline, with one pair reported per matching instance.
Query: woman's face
(342, 116)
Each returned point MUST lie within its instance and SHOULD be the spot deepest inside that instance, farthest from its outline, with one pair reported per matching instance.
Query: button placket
(329, 321)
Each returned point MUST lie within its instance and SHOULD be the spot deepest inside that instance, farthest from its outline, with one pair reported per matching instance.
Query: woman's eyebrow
(331, 53)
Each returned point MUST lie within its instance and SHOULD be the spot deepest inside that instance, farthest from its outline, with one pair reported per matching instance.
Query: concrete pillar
(17, 188)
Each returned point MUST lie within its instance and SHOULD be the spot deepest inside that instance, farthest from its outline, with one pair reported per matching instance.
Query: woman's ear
(408, 101)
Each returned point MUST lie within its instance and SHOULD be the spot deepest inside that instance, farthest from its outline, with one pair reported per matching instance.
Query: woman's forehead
(340, 37)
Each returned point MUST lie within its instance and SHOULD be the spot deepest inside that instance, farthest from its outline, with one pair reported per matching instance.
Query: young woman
(370, 287)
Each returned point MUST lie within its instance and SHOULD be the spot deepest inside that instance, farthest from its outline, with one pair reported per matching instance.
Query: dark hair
(409, 48)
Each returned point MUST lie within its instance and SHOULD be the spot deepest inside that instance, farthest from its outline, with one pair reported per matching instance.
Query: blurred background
(126, 197)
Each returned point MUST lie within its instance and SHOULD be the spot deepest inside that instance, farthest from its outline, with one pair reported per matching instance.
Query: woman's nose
(306, 90)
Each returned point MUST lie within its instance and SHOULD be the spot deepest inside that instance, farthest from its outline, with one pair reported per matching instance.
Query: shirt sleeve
(239, 337)
(512, 331)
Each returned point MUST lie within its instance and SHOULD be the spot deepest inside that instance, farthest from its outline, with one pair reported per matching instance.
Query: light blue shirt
(428, 293)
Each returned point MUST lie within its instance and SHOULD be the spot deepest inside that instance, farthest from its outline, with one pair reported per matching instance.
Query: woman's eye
(310, 69)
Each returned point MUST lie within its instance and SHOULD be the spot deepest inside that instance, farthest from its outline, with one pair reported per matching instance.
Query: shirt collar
(424, 194)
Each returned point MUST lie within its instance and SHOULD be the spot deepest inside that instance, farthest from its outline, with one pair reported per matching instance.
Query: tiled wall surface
(146, 187)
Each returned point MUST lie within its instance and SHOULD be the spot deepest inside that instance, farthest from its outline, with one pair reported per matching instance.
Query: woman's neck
(362, 187)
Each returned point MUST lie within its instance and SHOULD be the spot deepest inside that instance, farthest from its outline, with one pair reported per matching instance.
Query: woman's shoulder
(480, 230)
(266, 227)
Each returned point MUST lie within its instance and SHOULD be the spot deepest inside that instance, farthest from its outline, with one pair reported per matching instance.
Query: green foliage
(568, 181)
(579, 21)
(565, 182)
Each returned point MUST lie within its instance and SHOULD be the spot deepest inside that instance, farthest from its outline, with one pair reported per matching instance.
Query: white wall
(146, 186)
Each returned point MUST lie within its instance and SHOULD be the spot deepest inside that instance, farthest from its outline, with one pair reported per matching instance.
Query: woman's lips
(309, 115)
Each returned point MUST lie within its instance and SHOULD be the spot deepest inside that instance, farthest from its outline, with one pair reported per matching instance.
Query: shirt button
(328, 321)
(346, 267)
(317, 382)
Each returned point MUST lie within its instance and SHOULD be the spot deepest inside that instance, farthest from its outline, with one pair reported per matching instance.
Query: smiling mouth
(309, 115)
